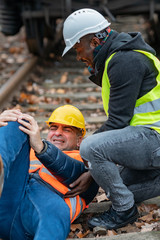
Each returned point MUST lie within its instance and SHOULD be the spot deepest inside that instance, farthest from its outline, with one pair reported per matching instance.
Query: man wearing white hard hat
(126, 68)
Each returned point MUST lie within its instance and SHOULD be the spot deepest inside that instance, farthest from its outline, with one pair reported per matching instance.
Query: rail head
(18, 77)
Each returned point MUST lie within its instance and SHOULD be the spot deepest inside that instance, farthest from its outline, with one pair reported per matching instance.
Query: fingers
(78, 188)
(25, 130)
(80, 185)
(75, 183)
(27, 121)
(2, 124)
(27, 117)
(73, 193)
(26, 127)
(9, 115)
(30, 126)
(11, 112)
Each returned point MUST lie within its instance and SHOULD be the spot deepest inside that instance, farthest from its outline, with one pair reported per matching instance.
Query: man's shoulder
(74, 154)
(127, 56)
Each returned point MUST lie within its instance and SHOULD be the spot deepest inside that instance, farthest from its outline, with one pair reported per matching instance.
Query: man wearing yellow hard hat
(34, 200)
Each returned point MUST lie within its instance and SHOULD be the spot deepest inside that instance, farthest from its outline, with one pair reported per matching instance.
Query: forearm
(65, 168)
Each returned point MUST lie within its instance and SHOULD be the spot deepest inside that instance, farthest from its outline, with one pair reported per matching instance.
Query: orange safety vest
(76, 204)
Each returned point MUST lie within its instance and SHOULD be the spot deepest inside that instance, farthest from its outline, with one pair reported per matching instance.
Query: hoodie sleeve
(65, 168)
(129, 75)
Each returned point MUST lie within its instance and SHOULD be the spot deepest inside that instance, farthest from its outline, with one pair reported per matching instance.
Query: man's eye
(53, 128)
(67, 129)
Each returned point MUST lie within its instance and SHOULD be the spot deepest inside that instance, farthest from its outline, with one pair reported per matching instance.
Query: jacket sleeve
(65, 168)
(131, 75)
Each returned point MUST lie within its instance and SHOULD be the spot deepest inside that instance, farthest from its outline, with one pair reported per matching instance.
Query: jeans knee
(95, 151)
(87, 148)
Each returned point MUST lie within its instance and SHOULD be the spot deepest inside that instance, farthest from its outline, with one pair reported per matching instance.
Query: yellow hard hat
(68, 115)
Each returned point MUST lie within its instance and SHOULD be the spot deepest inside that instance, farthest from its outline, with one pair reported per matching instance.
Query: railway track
(9, 86)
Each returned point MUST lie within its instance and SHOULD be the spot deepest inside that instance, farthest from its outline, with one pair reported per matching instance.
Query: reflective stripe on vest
(76, 204)
(147, 108)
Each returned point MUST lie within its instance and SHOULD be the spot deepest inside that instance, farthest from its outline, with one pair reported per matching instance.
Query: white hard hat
(81, 23)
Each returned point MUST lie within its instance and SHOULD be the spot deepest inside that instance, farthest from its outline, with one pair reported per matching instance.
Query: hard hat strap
(101, 35)
(108, 32)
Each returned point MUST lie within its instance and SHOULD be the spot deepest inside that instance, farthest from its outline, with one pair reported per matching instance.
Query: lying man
(33, 205)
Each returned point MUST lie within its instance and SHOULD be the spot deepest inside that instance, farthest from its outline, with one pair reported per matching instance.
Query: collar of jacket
(100, 58)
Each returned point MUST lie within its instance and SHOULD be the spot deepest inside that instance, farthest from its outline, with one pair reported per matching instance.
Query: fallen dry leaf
(101, 197)
(147, 218)
(111, 233)
(29, 98)
(147, 207)
(92, 99)
(78, 79)
(82, 235)
(71, 235)
(61, 91)
(64, 77)
(68, 100)
(129, 228)
(33, 109)
(13, 50)
(148, 227)
(139, 224)
(74, 227)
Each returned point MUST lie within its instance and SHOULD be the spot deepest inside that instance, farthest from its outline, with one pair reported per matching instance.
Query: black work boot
(113, 219)
(1, 175)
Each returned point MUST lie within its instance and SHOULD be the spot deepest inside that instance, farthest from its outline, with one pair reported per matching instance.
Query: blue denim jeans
(28, 210)
(125, 163)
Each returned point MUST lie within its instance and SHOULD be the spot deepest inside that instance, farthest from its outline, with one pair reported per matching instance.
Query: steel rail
(9, 87)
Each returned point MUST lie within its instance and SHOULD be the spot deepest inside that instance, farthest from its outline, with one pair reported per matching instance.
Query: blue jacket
(65, 168)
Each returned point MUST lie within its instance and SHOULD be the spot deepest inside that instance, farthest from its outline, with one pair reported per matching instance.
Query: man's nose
(78, 57)
(58, 131)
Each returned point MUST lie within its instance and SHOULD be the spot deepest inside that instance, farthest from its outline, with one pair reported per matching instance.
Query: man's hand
(9, 115)
(30, 127)
(80, 185)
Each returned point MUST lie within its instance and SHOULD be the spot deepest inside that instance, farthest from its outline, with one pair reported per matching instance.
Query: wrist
(42, 147)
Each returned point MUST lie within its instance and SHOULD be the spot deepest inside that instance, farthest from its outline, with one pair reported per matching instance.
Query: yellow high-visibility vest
(147, 107)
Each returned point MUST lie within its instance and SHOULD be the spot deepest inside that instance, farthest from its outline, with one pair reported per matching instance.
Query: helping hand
(80, 185)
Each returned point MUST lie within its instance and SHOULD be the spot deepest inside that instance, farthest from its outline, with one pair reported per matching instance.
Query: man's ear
(79, 140)
(95, 42)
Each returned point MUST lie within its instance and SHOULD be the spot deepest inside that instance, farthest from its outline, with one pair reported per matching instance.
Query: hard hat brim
(66, 50)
